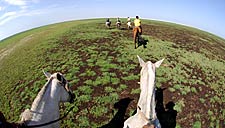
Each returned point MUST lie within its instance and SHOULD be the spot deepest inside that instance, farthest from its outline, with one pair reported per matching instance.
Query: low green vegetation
(197, 124)
(102, 68)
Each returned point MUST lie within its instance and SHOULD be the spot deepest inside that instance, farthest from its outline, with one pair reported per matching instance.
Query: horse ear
(48, 75)
(158, 63)
(59, 77)
(142, 63)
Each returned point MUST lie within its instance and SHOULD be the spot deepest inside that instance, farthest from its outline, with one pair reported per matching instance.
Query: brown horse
(136, 33)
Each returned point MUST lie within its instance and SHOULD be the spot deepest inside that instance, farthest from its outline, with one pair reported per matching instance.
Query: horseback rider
(137, 25)
(137, 31)
(118, 22)
(128, 22)
(108, 23)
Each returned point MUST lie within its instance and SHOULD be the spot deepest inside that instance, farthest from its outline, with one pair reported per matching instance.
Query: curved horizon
(21, 15)
(124, 18)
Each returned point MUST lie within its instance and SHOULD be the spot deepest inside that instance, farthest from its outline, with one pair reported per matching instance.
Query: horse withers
(45, 107)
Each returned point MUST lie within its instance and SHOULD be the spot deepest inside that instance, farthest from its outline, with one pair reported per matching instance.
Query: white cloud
(13, 15)
(23, 11)
(8, 14)
(16, 2)
(1, 8)
(35, 1)
(23, 4)
(7, 17)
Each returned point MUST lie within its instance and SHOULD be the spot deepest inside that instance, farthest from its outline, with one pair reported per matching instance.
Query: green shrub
(136, 91)
(197, 124)
(193, 90)
(88, 82)
(202, 100)
(179, 105)
(109, 89)
(121, 87)
(178, 126)
(98, 111)
(84, 98)
(115, 81)
(90, 73)
(85, 89)
(83, 122)
(171, 89)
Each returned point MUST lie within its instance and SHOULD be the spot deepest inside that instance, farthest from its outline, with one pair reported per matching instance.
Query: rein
(48, 123)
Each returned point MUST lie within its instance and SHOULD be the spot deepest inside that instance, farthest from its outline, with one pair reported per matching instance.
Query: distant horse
(118, 23)
(146, 104)
(129, 25)
(108, 23)
(45, 107)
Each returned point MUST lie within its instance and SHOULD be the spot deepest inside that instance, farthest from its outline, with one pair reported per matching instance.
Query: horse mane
(27, 114)
(40, 95)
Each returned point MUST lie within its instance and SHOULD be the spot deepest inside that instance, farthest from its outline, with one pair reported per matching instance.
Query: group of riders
(137, 23)
(137, 29)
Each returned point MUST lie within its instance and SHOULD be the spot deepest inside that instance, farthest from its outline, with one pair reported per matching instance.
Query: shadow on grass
(5, 124)
(141, 41)
(118, 119)
(166, 115)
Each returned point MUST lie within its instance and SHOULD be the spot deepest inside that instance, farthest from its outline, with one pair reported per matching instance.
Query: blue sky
(20, 15)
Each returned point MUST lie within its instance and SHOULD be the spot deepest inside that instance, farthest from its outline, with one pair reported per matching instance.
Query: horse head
(56, 90)
(148, 66)
(147, 84)
(62, 85)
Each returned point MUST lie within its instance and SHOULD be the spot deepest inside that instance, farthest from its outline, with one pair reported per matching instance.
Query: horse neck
(46, 99)
(148, 82)
(147, 92)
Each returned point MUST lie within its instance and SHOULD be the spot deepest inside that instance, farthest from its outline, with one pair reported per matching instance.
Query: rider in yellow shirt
(137, 25)
(137, 31)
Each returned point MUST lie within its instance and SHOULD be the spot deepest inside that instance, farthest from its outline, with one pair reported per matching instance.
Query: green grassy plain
(102, 68)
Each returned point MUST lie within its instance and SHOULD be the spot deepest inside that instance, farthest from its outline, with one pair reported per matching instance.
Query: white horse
(146, 104)
(45, 107)
(129, 25)
(108, 23)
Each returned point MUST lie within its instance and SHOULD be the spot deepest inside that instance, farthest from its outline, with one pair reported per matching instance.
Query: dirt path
(6, 51)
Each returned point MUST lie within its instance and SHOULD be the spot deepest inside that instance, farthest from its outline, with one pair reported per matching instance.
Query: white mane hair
(40, 95)
(45, 107)
(27, 114)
